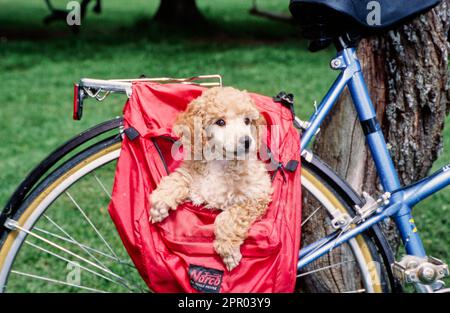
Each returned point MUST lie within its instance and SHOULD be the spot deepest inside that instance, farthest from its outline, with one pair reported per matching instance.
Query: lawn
(39, 64)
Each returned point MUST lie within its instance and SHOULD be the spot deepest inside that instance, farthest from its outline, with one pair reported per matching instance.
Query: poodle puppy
(221, 132)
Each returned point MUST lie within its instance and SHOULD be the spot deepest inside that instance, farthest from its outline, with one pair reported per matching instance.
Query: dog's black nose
(246, 141)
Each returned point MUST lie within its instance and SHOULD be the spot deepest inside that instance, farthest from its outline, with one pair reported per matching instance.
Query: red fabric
(163, 252)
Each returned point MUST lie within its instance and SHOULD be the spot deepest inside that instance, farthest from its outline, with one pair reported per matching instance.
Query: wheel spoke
(72, 253)
(56, 255)
(92, 224)
(324, 268)
(311, 215)
(101, 184)
(55, 281)
(76, 242)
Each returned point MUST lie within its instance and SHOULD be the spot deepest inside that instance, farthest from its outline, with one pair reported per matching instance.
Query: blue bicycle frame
(403, 198)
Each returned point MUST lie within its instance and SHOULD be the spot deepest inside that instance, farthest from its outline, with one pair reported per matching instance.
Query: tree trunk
(179, 13)
(406, 73)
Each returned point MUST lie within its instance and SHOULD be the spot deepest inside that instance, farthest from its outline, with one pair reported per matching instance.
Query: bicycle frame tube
(352, 77)
(416, 192)
(403, 199)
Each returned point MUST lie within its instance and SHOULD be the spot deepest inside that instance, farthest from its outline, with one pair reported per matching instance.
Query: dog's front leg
(171, 191)
(231, 228)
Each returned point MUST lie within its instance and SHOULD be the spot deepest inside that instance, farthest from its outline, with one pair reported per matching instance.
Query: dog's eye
(220, 122)
(247, 121)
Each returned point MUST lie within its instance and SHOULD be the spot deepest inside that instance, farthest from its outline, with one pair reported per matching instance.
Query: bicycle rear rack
(99, 89)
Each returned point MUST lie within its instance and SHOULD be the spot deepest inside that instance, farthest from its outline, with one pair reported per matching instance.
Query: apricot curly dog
(221, 133)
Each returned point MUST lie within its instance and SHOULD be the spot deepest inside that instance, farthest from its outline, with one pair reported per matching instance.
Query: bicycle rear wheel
(64, 240)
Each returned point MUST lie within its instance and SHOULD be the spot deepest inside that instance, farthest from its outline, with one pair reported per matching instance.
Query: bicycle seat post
(347, 40)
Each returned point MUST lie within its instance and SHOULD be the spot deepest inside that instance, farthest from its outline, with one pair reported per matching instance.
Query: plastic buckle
(286, 99)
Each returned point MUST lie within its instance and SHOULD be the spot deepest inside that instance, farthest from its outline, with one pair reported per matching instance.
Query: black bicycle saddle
(324, 20)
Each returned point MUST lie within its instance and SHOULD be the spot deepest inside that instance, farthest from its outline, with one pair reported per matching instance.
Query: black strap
(291, 166)
(131, 133)
(370, 126)
(280, 168)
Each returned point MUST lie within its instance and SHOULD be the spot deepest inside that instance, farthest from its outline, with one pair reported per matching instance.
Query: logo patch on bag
(205, 279)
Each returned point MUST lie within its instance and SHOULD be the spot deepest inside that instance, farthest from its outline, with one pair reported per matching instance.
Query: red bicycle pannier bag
(177, 255)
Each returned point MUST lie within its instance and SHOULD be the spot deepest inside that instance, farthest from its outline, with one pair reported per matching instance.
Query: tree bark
(407, 75)
(179, 13)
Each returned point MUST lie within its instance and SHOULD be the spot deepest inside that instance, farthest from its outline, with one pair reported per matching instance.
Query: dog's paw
(232, 260)
(159, 208)
(231, 254)
(158, 214)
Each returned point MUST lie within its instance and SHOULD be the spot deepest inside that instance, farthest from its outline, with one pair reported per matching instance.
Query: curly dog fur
(221, 132)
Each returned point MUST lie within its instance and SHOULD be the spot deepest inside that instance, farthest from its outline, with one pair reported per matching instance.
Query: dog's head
(223, 123)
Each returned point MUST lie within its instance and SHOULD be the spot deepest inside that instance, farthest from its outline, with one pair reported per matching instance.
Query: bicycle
(354, 244)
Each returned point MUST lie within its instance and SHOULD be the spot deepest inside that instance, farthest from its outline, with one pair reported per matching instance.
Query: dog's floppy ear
(188, 127)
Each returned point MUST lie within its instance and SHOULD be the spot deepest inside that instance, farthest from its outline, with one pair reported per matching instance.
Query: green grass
(39, 64)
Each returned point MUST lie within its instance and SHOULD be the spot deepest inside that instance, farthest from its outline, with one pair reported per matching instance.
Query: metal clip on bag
(177, 254)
